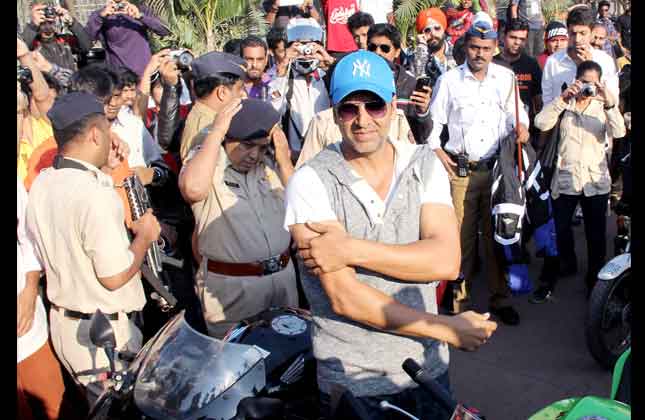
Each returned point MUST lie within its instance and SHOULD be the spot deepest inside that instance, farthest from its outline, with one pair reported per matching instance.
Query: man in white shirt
(381, 10)
(298, 91)
(476, 102)
(560, 67)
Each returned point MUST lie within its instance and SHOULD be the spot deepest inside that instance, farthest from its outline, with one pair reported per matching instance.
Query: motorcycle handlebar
(423, 378)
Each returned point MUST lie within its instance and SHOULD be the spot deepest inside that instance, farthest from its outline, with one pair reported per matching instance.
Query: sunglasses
(435, 28)
(347, 111)
(383, 47)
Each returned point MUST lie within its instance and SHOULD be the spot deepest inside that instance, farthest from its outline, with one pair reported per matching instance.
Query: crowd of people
(330, 165)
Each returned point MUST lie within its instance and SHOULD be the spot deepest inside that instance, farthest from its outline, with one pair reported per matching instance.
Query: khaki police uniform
(199, 117)
(77, 222)
(240, 221)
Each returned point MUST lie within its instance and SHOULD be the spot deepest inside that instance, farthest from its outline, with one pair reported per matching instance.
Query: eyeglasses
(383, 47)
(347, 111)
(429, 29)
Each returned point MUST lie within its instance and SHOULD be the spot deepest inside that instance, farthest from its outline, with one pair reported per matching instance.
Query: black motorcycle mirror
(102, 335)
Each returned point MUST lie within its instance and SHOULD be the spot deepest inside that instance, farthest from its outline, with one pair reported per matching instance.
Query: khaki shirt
(324, 131)
(199, 117)
(77, 222)
(241, 219)
(582, 163)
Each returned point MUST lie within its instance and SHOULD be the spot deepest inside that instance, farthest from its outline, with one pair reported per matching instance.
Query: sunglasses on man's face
(347, 111)
(383, 47)
(430, 29)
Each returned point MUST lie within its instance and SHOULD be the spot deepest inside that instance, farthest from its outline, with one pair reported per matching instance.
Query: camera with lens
(50, 12)
(183, 58)
(119, 7)
(24, 75)
(305, 49)
(588, 90)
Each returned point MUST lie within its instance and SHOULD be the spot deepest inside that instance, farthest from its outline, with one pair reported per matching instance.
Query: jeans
(594, 213)
(416, 401)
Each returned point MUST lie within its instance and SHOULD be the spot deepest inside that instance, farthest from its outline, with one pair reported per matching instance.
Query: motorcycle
(263, 369)
(609, 314)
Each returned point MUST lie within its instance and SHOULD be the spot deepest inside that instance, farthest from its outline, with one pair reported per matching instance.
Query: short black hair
(127, 77)
(232, 46)
(386, 30)
(67, 134)
(603, 3)
(275, 36)
(581, 16)
(204, 87)
(586, 66)
(358, 20)
(459, 49)
(516, 25)
(94, 79)
(252, 41)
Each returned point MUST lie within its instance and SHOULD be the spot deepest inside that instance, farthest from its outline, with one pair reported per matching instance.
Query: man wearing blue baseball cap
(375, 226)
(476, 102)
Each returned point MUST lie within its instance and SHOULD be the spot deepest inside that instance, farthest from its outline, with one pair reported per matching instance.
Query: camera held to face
(24, 75)
(305, 49)
(49, 12)
(588, 90)
(119, 7)
(183, 58)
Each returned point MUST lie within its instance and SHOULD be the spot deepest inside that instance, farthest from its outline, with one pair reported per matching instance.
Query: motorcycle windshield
(184, 371)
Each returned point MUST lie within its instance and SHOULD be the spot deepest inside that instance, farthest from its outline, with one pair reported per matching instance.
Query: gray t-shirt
(531, 11)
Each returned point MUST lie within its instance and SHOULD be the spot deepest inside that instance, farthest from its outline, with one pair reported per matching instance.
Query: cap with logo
(482, 27)
(254, 120)
(362, 70)
(555, 29)
(216, 63)
(73, 107)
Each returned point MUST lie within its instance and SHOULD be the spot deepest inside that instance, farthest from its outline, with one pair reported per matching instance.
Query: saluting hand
(222, 121)
(281, 145)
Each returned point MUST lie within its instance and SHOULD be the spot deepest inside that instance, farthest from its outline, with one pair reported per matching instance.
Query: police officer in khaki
(218, 78)
(235, 182)
(77, 221)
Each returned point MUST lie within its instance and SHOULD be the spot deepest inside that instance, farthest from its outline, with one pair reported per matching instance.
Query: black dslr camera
(462, 165)
(50, 12)
(119, 7)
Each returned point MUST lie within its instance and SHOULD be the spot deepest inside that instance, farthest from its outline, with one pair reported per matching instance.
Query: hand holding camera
(38, 14)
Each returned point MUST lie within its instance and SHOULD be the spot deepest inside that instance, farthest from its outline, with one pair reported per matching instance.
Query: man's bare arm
(436, 256)
(366, 305)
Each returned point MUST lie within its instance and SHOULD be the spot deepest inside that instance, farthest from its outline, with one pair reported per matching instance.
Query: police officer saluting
(235, 183)
(77, 221)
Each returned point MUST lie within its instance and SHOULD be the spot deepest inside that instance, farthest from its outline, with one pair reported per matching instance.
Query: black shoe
(507, 314)
(541, 295)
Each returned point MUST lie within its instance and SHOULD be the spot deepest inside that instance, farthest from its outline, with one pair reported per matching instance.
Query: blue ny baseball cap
(362, 70)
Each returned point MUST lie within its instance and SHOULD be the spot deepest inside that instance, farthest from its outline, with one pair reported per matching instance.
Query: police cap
(254, 120)
(215, 63)
(73, 107)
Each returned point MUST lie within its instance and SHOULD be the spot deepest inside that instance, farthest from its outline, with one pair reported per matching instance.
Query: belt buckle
(271, 265)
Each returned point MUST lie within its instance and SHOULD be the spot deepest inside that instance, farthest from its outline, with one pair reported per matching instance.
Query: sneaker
(541, 295)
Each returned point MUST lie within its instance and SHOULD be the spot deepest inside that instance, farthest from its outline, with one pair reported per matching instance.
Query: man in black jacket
(385, 40)
(59, 49)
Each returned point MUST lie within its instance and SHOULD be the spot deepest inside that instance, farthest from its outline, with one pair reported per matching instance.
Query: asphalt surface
(544, 359)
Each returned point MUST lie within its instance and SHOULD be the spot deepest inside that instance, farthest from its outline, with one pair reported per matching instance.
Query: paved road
(544, 359)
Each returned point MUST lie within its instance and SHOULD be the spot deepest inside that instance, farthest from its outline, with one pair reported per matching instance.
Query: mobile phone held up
(421, 82)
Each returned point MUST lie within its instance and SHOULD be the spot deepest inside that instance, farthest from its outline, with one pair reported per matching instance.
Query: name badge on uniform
(232, 184)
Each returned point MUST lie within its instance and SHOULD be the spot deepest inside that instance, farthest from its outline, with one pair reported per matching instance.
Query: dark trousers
(594, 212)
(415, 401)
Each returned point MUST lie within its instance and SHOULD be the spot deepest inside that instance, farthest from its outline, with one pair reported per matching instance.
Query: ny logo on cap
(362, 67)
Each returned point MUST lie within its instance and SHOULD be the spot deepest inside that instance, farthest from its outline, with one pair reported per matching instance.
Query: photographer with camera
(122, 29)
(588, 113)
(298, 91)
(433, 51)
(42, 35)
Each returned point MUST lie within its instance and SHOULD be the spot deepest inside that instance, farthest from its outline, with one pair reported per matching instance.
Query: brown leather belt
(260, 268)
